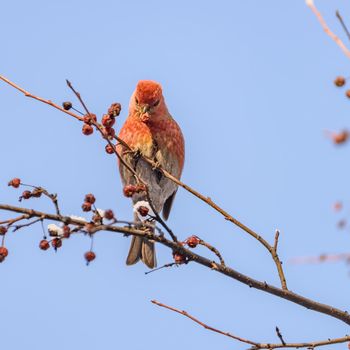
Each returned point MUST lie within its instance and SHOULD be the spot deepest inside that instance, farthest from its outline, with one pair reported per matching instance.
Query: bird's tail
(141, 248)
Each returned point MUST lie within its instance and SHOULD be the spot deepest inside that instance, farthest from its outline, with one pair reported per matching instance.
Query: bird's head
(147, 99)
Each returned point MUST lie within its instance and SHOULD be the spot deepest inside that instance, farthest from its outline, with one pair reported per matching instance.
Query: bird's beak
(144, 109)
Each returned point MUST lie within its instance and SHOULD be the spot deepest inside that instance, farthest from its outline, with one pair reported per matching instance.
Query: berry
(108, 121)
(3, 230)
(89, 256)
(87, 129)
(339, 81)
(89, 118)
(129, 190)
(114, 109)
(15, 182)
(3, 253)
(66, 231)
(347, 93)
(26, 195)
(109, 149)
(193, 241)
(109, 215)
(44, 244)
(90, 198)
(179, 258)
(56, 243)
(341, 137)
(86, 206)
(67, 105)
(143, 210)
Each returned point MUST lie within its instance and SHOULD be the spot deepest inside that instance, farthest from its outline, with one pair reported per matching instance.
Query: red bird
(152, 131)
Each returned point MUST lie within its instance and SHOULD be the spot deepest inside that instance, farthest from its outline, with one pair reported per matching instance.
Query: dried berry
(86, 206)
(15, 182)
(90, 118)
(347, 93)
(56, 243)
(109, 215)
(3, 230)
(129, 190)
(26, 195)
(108, 120)
(339, 81)
(109, 149)
(89, 256)
(179, 258)
(193, 241)
(3, 253)
(90, 198)
(114, 109)
(87, 129)
(143, 210)
(67, 105)
(66, 231)
(341, 137)
(44, 244)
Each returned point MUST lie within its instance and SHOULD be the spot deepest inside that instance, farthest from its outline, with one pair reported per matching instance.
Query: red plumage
(151, 130)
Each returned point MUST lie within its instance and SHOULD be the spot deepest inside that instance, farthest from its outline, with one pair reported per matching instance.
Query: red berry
(56, 243)
(341, 137)
(66, 231)
(4, 252)
(15, 182)
(193, 241)
(44, 244)
(86, 206)
(90, 198)
(108, 121)
(3, 230)
(179, 258)
(339, 81)
(109, 149)
(109, 215)
(129, 190)
(143, 210)
(114, 109)
(26, 195)
(87, 129)
(89, 256)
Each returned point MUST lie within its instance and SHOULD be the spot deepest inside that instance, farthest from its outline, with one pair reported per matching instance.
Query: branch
(156, 166)
(255, 345)
(325, 27)
(191, 257)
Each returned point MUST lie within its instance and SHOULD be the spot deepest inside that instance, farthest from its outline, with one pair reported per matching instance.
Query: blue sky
(250, 83)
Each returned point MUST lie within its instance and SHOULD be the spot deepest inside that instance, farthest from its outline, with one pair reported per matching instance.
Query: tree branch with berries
(151, 226)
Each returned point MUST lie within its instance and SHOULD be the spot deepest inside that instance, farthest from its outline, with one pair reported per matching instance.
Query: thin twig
(343, 24)
(325, 27)
(255, 345)
(214, 250)
(279, 335)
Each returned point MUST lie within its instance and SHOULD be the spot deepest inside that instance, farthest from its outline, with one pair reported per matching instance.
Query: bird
(151, 131)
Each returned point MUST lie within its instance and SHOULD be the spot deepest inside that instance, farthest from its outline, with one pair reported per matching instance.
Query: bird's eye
(155, 104)
(136, 100)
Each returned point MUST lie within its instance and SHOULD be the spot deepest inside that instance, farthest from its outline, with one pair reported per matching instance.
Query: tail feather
(143, 249)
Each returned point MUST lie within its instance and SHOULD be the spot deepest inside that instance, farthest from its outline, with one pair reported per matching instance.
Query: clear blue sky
(250, 83)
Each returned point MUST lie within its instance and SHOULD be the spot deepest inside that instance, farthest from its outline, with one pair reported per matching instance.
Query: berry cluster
(107, 122)
(192, 242)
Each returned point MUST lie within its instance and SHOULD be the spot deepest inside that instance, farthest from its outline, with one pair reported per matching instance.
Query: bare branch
(256, 345)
